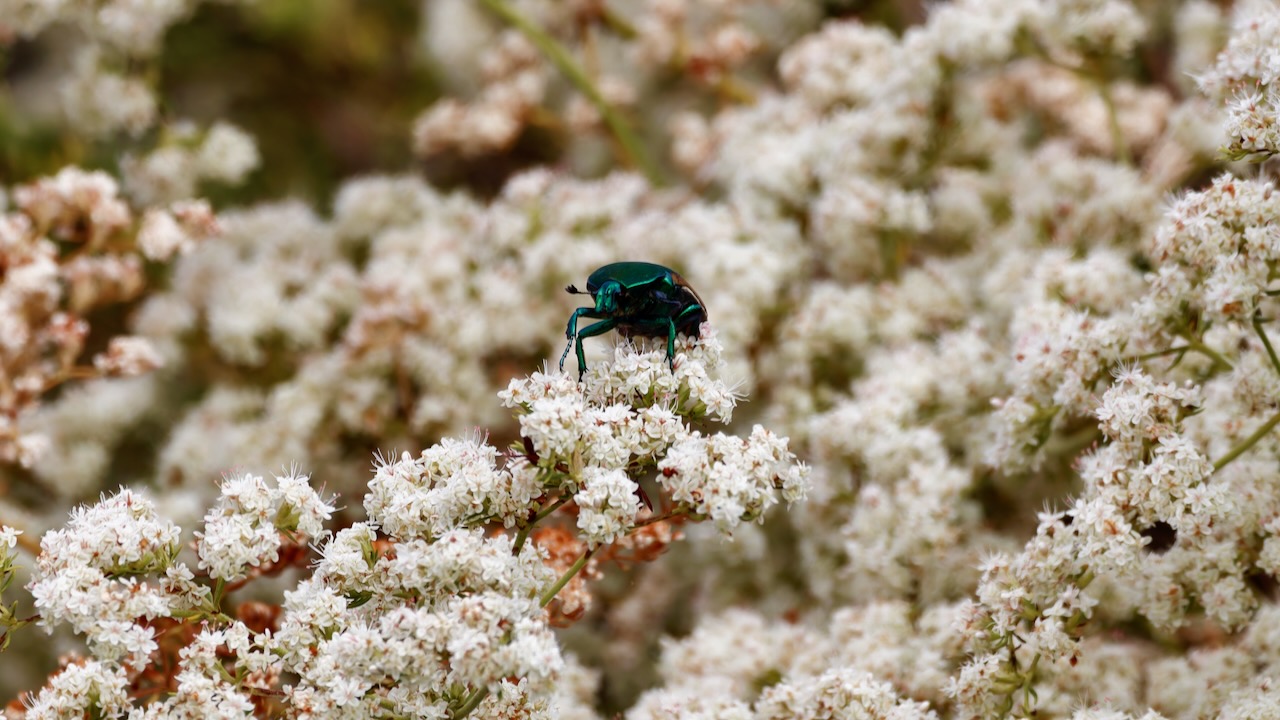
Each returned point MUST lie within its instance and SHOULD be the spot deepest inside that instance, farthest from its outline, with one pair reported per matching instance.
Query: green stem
(1249, 442)
(564, 62)
(552, 591)
(1162, 353)
(1207, 351)
(473, 701)
(656, 519)
(523, 535)
(618, 23)
(1271, 352)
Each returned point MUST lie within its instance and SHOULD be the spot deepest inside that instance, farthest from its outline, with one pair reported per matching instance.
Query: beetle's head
(607, 297)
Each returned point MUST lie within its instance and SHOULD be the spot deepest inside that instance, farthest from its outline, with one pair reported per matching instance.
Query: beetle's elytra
(638, 299)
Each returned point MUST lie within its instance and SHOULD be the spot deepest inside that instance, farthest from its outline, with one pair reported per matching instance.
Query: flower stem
(1266, 343)
(629, 143)
(523, 535)
(1162, 353)
(1248, 442)
(1207, 351)
(577, 566)
(473, 701)
(657, 519)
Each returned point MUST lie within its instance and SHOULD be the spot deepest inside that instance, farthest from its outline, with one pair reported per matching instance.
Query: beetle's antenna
(575, 291)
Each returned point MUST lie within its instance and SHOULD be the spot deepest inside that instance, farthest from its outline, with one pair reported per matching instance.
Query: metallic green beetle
(638, 299)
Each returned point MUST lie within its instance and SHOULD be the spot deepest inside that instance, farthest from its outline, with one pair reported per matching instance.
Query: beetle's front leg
(571, 332)
(592, 330)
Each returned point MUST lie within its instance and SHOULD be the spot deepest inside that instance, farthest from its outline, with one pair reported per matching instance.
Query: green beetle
(638, 299)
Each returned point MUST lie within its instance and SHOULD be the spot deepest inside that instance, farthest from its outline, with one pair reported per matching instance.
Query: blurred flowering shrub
(998, 272)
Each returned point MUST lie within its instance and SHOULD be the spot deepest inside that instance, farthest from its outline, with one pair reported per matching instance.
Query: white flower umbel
(82, 689)
(607, 505)
(839, 695)
(630, 413)
(456, 483)
(731, 480)
(1245, 79)
(205, 687)
(245, 527)
(106, 571)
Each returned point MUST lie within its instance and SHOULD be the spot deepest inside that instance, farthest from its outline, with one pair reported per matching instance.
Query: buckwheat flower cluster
(515, 83)
(841, 695)
(1217, 244)
(409, 627)
(205, 687)
(456, 483)
(69, 249)
(99, 101)
(616, 57)
(244, 529)
(172, 171)
(1244, 79)
(1034, 605)
(731, 480)
(741, 664)
(108, 573)
(887, 482)
(608, 504)
(633, 412)
(175, 230)
(95, 96)
(80, 688)
(1091, 27)
(129, 25)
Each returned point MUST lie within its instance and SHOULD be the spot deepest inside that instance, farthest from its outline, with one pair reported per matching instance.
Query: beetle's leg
(671, 338)
(671, 345)
(571, 331)
(591, 330)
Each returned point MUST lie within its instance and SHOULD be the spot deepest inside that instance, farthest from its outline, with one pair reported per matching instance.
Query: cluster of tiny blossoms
(420, 611)
(630, 414)
(1246, 79)
(69, 248)
(508, 76)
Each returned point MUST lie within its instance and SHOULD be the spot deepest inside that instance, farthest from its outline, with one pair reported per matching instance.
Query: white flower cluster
(400, 630)
(608, 504)
(49, 291)
(111, 568)
(515, 85)
(740, 665)
(729, 479)
(244, 529)
(171, 172)
(1216, 246)
(631, 413)
(510, 84)
(1245, 79)
(453, 484)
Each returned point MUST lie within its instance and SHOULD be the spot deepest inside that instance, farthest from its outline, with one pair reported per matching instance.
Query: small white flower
(608, 504)
(9, 536)
(228, 154)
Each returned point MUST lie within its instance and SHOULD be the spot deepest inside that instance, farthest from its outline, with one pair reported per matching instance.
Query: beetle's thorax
(607, 296)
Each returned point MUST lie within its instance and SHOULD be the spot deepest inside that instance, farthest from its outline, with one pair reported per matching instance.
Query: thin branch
(523, 535)
(630, 144)
(552, 591)
(1249, 442)
(1271, 352)
(472, 703)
